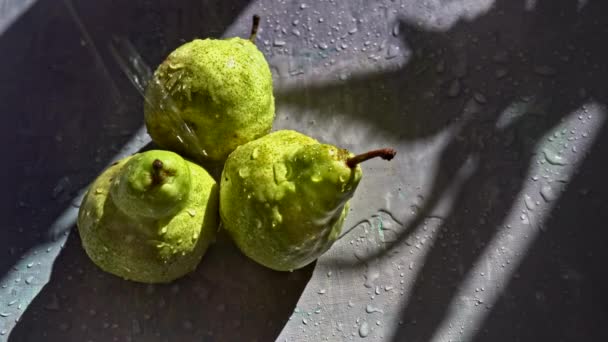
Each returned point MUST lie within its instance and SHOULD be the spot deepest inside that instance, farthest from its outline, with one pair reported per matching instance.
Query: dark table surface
(490, 225)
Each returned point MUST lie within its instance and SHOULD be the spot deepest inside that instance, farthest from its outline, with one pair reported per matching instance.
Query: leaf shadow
(535, 62)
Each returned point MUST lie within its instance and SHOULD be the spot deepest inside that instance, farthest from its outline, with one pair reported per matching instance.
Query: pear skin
(284, 198)
(149, 217)
(210, 96)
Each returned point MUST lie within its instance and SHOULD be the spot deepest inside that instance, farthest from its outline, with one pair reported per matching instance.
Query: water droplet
(30, 265)
(295, 32)
(321, 291)
(364, 329)
(329, 274)
(303, 6)
(29, 280)
(191, 212)
(501, 72)
(392, 52)
(377, 290)
(454, 89)
(4, 314)
(279, 43)
(244, 172)
(163, 230)
(255, 153)
(316, 178)
(547, 192)
(304, 321)
(371, 309)
(396, 29)
(554, 158)
(371, 276)
(529, 202)
(480, 98)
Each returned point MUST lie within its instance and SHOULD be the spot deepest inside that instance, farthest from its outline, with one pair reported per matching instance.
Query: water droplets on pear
(244, 172)
(316, 178)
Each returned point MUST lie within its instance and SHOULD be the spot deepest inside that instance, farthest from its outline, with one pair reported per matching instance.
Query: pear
(210, 96)
(284, 197)
(149, 217)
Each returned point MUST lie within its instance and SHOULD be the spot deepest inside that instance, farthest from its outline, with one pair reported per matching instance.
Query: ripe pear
(149, 217)
(210, 96)
(284, 197)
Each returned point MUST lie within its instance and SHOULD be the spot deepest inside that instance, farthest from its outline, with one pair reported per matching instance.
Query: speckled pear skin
(220, 89)
(284, 198)
(134, 245)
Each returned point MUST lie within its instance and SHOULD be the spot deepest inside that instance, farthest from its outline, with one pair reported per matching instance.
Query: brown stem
(254, 28)
(157, 172)
(384, 153)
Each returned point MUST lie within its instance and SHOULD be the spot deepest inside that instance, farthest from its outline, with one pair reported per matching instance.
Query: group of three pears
(282, 197)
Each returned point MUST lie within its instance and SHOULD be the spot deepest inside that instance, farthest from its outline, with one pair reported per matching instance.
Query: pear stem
(384, 153)
(157, 175)
(254, 28)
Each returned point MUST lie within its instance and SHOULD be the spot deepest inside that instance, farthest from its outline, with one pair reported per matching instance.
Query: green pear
(284, 197)
(149, 217)
(210, 96)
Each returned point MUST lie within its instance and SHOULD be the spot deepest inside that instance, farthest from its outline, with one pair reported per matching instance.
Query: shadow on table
(503, 81)
(228, 298)
(558, 292)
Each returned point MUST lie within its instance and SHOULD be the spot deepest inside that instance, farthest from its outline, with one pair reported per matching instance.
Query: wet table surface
(488, 226)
